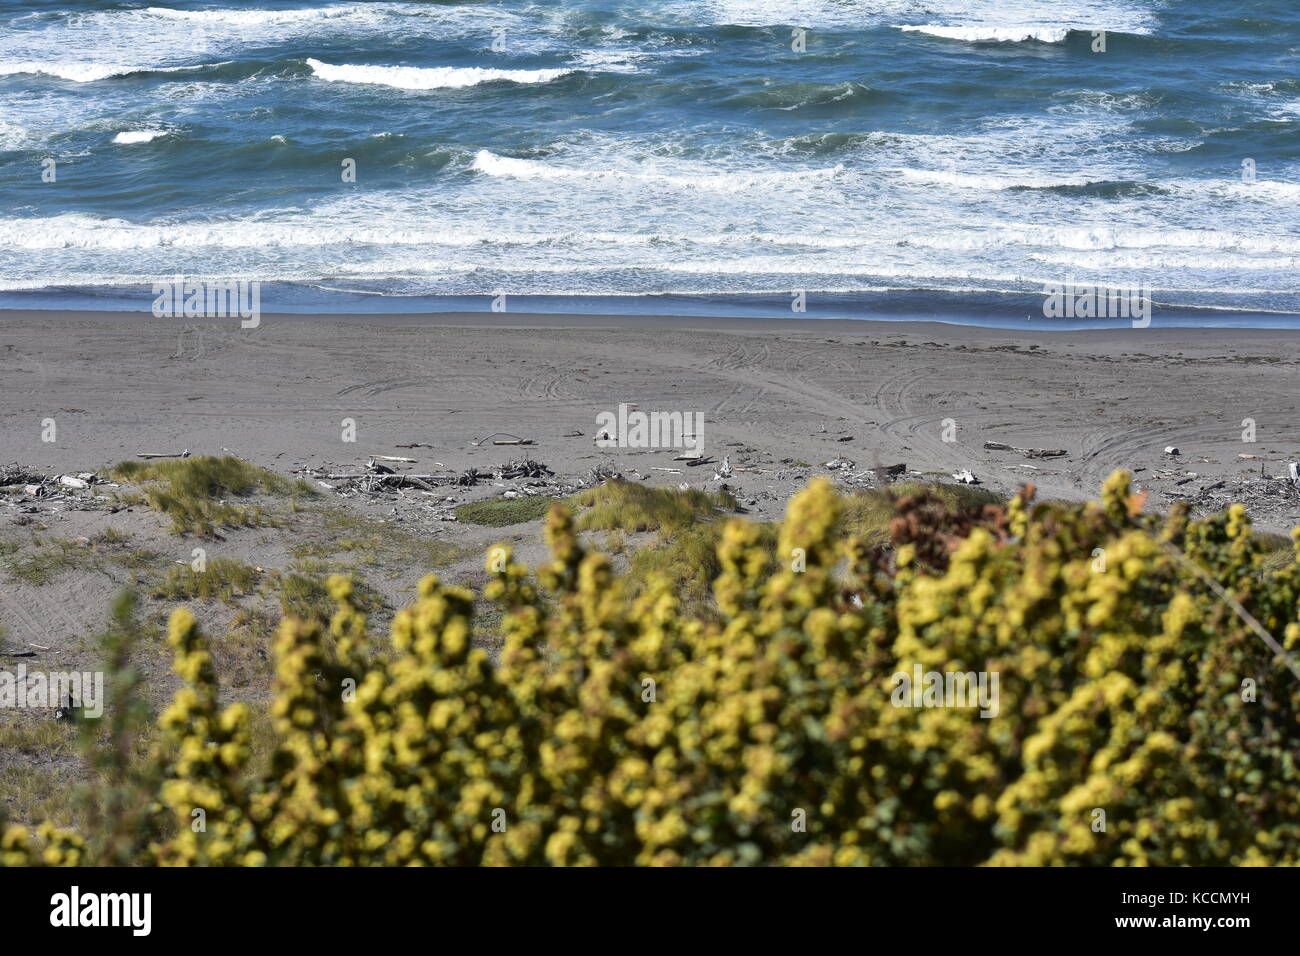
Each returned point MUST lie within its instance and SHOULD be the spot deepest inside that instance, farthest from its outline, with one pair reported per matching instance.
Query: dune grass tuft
(627, 506)
(501, 512)
(192, 491)
(306, 596)
(223, 579)
(42, 565)
(685, 553)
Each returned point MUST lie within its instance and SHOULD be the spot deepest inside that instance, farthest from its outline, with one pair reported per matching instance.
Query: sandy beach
(770, 391)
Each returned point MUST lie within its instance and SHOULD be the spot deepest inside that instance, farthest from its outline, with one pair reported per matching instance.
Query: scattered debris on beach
(16, 474)
(428, 492)
(523, 468)
(29, 491)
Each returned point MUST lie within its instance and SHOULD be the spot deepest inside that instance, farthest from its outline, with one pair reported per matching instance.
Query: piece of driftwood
(510, 439)
(154, 454)
(409, 461)
(415, 444)
(888, 471)
(375, 482)
(1027, 452)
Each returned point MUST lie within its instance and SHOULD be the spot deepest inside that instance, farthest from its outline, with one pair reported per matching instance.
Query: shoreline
(664, 321)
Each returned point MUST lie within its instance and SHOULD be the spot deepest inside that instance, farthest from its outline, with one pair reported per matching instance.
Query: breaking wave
(993, 34)
(428, 77)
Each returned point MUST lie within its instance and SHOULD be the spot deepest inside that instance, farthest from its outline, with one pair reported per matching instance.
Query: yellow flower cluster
(1140, 721)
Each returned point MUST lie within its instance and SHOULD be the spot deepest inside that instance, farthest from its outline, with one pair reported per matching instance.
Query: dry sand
(119, 384)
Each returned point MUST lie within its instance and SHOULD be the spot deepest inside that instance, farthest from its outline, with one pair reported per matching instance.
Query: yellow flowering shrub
(1140, 720)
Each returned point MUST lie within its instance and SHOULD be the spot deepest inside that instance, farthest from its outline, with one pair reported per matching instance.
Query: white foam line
(993, 34)
(428, 78)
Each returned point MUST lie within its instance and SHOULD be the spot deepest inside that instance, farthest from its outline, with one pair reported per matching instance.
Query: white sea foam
(610, 61)
(78, 72)
(88, 71)
(1105, 101)
(946, 177)
(85, 46)
(428, 78)
(489, 163)
(1264, 190)
(1165, 259)
(130, 137)
(1113, 14)
(13, 136)
(1102, 238)
(258, 18)
(988, 33)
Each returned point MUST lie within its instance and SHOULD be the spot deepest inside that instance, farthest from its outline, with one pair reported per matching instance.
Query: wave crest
(130, 137)
(489, 163)
(994, 34)
(428, 78)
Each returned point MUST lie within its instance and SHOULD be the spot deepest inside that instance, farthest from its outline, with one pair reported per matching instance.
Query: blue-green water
(943, 158)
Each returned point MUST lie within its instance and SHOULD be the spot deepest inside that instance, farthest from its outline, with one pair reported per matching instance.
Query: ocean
(942, 159)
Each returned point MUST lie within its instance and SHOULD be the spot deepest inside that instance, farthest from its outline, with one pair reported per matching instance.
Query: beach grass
(193, 491)
(627, 506)
(306, 596)
(502, 512)
(222, 579)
